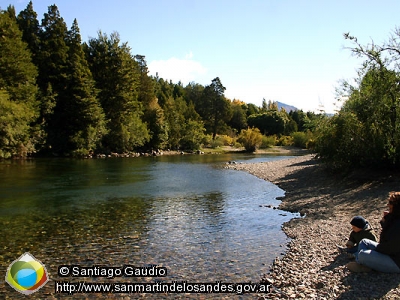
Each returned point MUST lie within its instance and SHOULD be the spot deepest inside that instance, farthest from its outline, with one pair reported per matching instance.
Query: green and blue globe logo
(26, 274)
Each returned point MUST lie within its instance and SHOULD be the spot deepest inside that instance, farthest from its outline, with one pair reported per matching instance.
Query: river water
(189, 214)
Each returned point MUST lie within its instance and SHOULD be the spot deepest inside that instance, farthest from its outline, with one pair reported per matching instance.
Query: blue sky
(287, 51)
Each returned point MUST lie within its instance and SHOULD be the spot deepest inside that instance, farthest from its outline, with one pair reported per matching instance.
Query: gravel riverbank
(313, 268)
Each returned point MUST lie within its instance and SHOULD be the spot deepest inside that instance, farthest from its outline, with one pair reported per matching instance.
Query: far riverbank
(313, 268)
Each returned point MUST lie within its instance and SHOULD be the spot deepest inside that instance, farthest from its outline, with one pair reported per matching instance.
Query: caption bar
(153, 287)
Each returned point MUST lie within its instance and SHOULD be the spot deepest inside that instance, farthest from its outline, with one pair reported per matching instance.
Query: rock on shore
(313, 268)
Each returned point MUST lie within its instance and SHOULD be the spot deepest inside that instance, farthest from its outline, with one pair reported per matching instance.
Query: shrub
(216, 143)
(285, 140)
(237, 145)
(299, 139)
(250, 139)
(226, 140)
(268, 141)
(207, 139)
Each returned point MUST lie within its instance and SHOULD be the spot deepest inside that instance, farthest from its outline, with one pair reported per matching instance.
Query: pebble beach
(312, 267)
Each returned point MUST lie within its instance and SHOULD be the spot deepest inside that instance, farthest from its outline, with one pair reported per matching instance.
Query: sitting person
(385, 255)
(361, 229)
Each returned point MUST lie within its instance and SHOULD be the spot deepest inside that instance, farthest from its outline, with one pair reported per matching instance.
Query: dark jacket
(366, 233)
(389, 242)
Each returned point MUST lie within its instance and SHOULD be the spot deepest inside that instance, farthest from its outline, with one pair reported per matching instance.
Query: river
(189, 214)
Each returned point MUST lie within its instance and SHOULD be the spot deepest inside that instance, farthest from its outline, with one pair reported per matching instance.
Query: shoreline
(312, 267)
(275, 150)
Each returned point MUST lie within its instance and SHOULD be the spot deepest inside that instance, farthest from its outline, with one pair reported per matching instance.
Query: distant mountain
(287, 107)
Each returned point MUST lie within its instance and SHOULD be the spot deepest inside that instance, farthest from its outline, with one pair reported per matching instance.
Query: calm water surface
(188, 213)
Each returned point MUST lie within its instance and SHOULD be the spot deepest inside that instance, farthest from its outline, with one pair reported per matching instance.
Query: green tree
(251, 109)
(47, 102)
(32, 34)
(264, 105)
(163, 90)
(174, 114)
(194, 94)
(300, 118)
(239, 119)
(366, 132)
(339, 140)
(158, 127)
(14, 129)
(269, 123)
(146, 85)
(290, 127)
(115, 72)
(82, 124)
(178, 90)
(312, 120)
(17, 72)
(19, 107)
(31, 31)
(214, 109)
(193, 135)
(53, 52)
(271, 105)
(52, 79)
(153, 114)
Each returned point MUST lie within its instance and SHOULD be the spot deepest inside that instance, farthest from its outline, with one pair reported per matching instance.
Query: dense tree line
(62, 96)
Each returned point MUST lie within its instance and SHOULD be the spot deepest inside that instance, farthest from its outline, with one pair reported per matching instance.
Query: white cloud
(175, 69)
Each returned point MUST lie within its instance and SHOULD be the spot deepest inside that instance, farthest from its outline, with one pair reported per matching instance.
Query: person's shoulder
(369, 231)
(372, 234)
(392, 223)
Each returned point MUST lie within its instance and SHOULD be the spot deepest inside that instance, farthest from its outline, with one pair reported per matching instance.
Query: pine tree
(31, 31)
(115, 72)
(153, 114)
(82, 116)
(52, 63)
(54, 51)
(214, 108)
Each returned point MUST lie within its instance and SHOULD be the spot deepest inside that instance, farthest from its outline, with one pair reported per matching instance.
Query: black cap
(359, 222)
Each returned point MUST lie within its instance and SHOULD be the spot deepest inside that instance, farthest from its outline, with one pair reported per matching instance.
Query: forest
(60, 96)
(64, 97)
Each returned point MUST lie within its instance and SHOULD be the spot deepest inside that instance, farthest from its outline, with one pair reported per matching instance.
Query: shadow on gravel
(371, 285)
(328, 193)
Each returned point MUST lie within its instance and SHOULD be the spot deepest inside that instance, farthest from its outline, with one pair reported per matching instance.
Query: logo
(26, 274)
